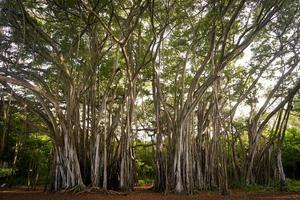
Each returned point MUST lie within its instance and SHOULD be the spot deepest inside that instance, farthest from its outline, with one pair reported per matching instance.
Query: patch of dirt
(140, 193)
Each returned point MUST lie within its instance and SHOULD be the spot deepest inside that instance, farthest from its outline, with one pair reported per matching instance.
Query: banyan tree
(211, 82)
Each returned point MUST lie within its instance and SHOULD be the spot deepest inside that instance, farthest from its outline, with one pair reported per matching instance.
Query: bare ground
(140, 194)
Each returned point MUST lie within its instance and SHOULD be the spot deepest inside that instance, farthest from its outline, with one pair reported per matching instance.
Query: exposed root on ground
(97, 189)
(76, 189)
(89, 190)
(112, 192)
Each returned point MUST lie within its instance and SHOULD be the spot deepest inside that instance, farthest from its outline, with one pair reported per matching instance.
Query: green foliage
(27, 150)
(293, 185)
(145, 181)
(144, 163)
(34, 159)
(291, 152)
(260, 188)
(4, 172)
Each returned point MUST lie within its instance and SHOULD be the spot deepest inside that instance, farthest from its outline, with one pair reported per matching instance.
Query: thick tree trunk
(177, 165)
(126, 157)
(67, 169)
(5, 127)
(105, 159)
(95, 159)
(160, 176)
(282, 179)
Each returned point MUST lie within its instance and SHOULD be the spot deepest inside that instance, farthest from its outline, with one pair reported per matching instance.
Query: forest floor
(140, 194)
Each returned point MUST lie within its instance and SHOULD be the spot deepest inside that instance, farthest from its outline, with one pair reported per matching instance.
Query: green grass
(293, 185)
(260, 188)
